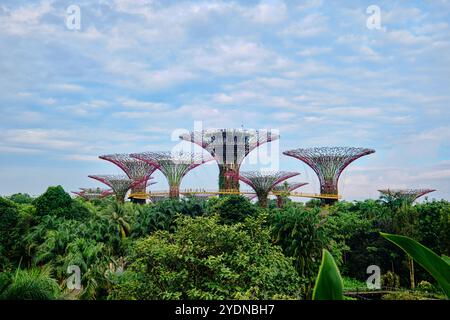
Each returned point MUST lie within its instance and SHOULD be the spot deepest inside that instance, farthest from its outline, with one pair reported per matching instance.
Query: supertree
(229, 147)
(407, 195)
(174, 166)
(120, 184)
(285, 188)
(137, 170)
(263, 182)
(328, 163)
(92, 193)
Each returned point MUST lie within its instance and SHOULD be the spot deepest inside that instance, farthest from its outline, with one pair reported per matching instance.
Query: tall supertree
(285, 188)
(137, 170)
(174, 166)
(264, 182)
(92, 193)
(229, 147)
(328, 163)
(407, 195)
(120, 184)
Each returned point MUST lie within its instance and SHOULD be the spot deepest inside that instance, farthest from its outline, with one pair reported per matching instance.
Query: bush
(390, 280)
(404, 295)
(32, 284)
(232, 209)
(54, 201)
(21, 198)
(298, 231)
(203, 259)
(9, 217)
(162, 215)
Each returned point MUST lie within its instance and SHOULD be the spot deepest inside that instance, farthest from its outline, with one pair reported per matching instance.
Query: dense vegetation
(209, 249)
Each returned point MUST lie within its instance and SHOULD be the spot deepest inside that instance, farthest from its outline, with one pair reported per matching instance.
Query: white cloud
(136, 104)
(268, 12)
(314, 51)
(310, 26)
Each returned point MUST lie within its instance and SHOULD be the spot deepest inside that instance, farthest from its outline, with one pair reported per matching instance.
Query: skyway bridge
(163, 193)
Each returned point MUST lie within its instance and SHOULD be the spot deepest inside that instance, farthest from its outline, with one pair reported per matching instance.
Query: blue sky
(138, 71)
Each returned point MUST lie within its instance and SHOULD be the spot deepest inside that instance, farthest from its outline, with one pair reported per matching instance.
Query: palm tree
(118, 214)
(32, 284)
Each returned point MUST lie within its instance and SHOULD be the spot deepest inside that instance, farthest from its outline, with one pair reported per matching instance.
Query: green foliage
(434, 225)
(162, 215)
(405, 295)
(300, 233)
(32, 284)
(429, 260)
(21, 198)
(233, 208)
(351, 284)
(329, 282)
(234, 254)
(204, 259)
(390, 280)
(9, 217)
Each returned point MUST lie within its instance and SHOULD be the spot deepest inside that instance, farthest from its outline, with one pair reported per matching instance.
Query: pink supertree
(118, 183)
(92, 193)
(174, 166)
(229, 147)
(407, 195)
(328, 163)
(137, 170)
(263, 182)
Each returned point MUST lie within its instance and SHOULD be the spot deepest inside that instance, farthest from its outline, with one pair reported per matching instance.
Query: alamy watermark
(73, 17)
(373, 22)
(74, 279)
(228, 146)
(374, 280)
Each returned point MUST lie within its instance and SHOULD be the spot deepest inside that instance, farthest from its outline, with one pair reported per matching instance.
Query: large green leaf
(430, 261)
(329, 282)
(446, 259)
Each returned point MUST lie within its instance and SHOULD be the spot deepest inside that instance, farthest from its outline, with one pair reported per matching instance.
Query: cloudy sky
(137, 72)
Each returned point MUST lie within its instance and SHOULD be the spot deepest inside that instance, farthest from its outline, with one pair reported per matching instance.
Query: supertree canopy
(328, 163)
(408, 195)
(285, 188)
(264, 182)
(174, 166)
(92, 193)
(118, 183)
(137, 170)
(229, 147)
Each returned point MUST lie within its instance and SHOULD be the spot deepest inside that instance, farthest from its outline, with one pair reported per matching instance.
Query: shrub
(390, 280)
(299, 232)
(9, 218)
(204, 259)
(32, 284)
(162, 215)
(404, 295)
(54, 201)
(21, 198)
(232, 209)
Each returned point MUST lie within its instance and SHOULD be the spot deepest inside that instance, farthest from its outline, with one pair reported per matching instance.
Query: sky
(136, 73)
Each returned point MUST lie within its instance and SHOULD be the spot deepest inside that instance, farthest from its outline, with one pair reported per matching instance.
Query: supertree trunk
(329, 188)
(280, 201)
(228, 177)
(120, 197)
(174, 191)
(262, 199)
